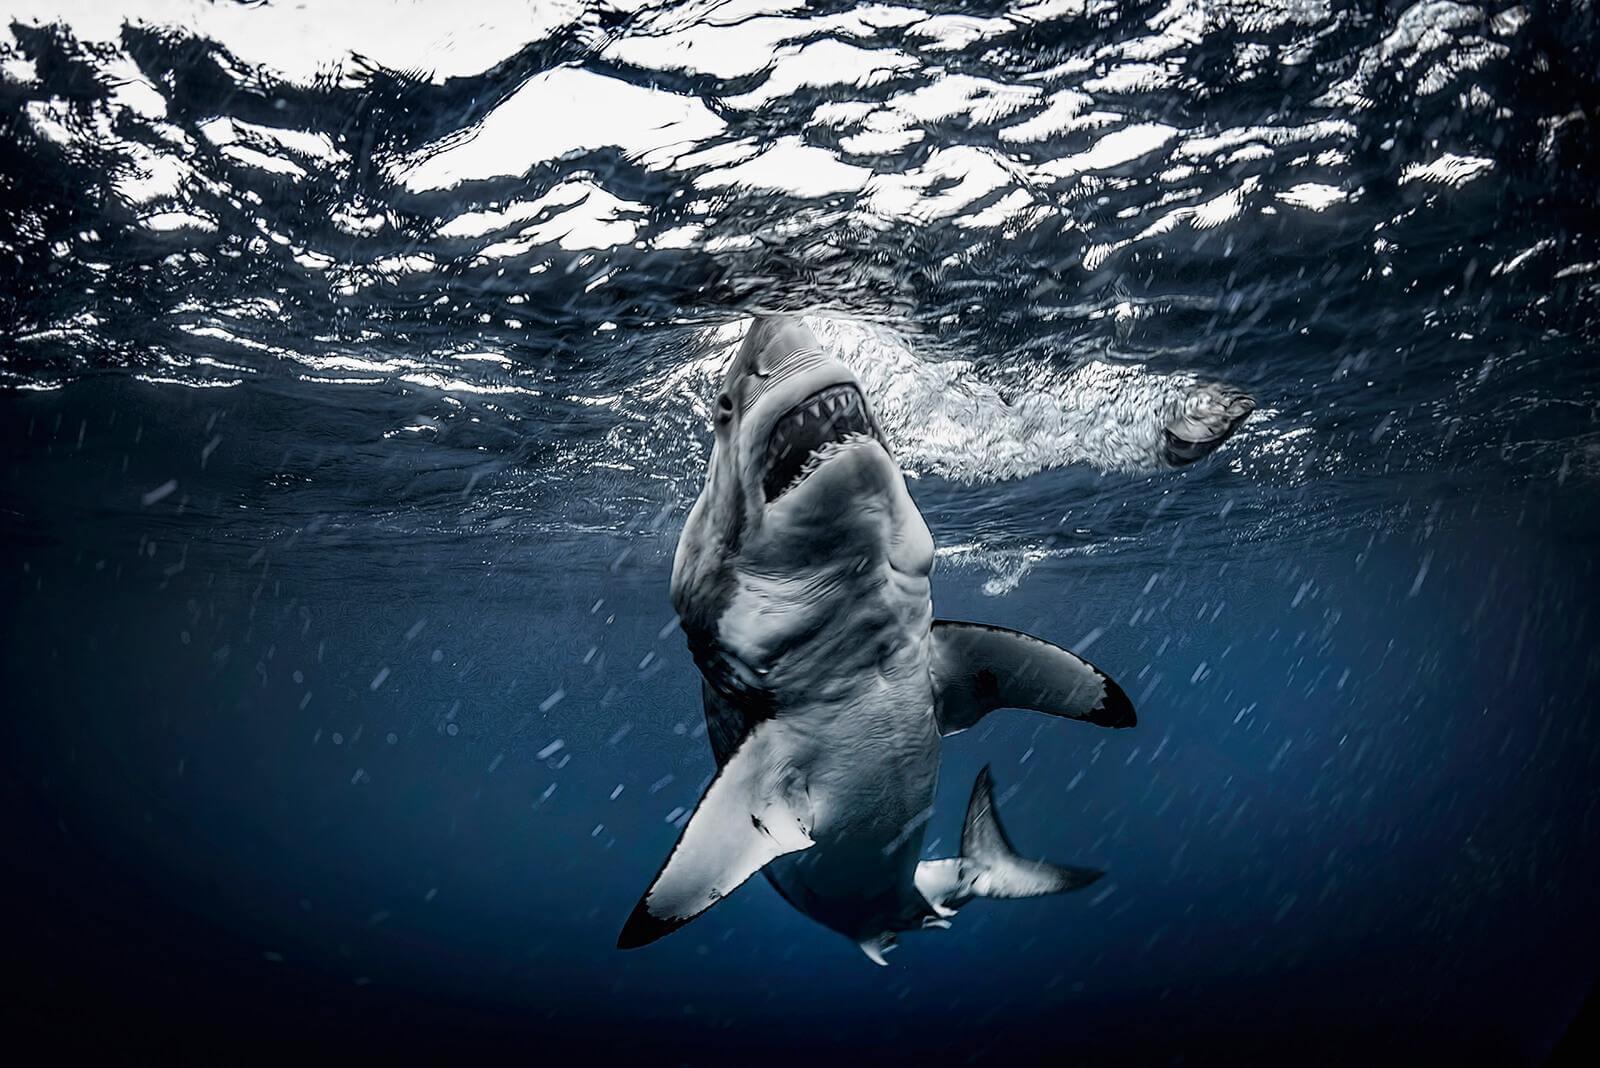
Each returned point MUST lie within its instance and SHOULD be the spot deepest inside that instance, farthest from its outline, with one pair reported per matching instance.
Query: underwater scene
(361, 368)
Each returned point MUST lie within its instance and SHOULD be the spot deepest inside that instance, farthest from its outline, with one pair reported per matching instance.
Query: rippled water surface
(356, 364)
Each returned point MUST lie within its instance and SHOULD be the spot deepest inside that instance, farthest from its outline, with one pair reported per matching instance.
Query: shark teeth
(811, 433)
(825, 453)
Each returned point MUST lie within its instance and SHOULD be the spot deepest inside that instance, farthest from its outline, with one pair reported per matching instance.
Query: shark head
(799, 470)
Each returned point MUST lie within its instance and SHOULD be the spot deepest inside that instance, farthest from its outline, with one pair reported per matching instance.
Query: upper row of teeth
(817, 409)
(829, 405)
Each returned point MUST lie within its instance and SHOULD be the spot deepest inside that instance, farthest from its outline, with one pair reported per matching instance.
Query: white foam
(300, 41)
(941, 417)
(791, 166)
(1449, 169)
(820, 64)
(562, 111)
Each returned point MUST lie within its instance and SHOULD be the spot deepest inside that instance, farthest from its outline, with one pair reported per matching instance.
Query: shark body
(802, 582)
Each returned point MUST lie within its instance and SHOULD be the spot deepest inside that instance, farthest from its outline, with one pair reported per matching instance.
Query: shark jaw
(824, 425)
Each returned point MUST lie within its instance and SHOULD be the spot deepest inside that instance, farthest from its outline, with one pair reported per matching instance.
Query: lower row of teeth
(824, 453)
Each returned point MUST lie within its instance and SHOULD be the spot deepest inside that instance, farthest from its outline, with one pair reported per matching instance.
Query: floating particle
(160, 493)
(1422, 573)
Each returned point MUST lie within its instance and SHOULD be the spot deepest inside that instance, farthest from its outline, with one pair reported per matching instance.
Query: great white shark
(801, 582)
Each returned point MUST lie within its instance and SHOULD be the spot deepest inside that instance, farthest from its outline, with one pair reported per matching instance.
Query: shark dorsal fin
(978, 668)
(753, 813)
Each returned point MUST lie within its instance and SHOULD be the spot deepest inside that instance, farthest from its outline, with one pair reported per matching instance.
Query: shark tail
(989, 865)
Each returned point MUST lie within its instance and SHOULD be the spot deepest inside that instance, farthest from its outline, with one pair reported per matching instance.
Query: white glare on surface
(567, 110)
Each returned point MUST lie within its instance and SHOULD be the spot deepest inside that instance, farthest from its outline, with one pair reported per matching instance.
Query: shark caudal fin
(989, 865)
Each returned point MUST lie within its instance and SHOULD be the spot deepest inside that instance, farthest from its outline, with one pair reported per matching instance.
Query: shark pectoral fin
(989, 865)
(978, 668)
(752, 814)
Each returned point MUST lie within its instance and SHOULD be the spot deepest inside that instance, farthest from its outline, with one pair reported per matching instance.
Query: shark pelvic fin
(989, 865)
(753, 813)
(877, 946)
(979, 668)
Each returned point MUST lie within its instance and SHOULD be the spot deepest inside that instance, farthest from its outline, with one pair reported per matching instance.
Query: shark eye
(725, 405)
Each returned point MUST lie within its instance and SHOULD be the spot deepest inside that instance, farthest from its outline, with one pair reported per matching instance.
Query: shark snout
(776, 352)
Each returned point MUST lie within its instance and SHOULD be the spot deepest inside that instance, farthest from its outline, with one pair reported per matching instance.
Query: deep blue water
(354, 378)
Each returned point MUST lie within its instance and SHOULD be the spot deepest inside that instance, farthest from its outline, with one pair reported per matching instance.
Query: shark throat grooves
(800, 441)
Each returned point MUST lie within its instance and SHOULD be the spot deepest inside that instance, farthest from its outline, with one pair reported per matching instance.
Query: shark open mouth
(810, 433)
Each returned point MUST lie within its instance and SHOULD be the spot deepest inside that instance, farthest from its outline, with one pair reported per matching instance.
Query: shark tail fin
(989, 865)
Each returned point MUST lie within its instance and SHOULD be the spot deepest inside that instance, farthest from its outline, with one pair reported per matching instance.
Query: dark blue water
(354, 382)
